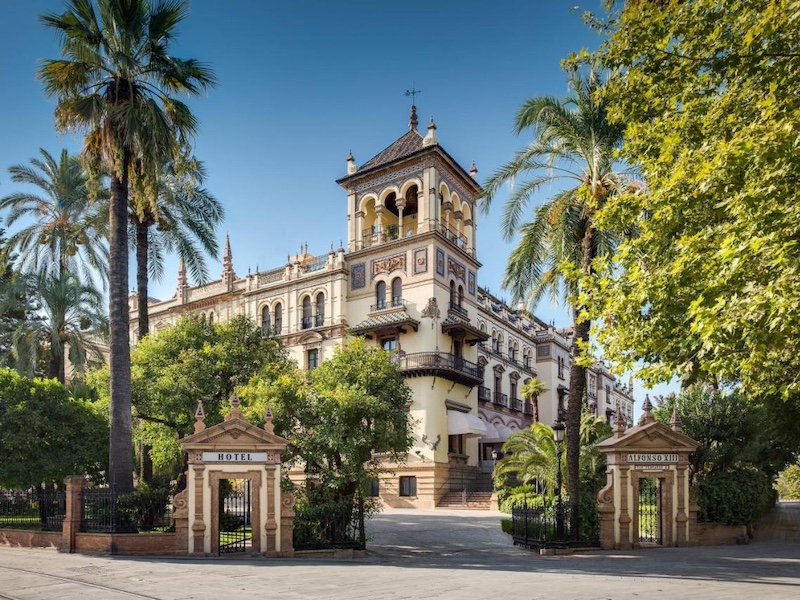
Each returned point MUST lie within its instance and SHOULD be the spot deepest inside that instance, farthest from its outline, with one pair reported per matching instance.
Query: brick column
(180, 508)
(74, 512)
(287, 524)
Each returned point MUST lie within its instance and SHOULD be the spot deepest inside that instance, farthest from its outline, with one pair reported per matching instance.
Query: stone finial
(413, 121)
(619, 424)
(234, 412)
(351, 163)
(473, 171)
(199, 418)
(228, 275)
(430, 137)
(675, 421)
(268, 426)
(647, 414)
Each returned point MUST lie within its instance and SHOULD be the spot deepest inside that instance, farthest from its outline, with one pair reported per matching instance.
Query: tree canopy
(46, 434)
(708, 289)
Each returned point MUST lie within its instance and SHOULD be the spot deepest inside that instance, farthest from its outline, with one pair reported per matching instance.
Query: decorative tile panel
(440, 261)
(358, 276)
(388, 264)
(457, 269)
(420, 261)
(471, 282)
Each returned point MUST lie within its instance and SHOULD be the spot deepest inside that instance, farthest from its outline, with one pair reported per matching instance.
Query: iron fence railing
(107, 512)
(387, 304)
(516, 404)
(540, 528)
(439, 360)
(33, 509)
(500, 399)
(484, 393)
(329, 526)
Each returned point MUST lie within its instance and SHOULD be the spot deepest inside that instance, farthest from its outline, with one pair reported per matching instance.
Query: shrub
(519, 497)
(508, 526)
(788, 484)
(737, 496)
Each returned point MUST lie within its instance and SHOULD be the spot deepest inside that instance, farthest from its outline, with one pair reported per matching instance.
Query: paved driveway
(426, 555)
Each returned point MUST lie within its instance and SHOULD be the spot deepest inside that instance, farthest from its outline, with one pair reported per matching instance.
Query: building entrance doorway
(650, 511)
(235, 518)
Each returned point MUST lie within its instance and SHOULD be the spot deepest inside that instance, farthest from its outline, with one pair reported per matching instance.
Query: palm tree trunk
(54, 370)
(120, 468)
(536, 409)
(577, 388)
(141, 279)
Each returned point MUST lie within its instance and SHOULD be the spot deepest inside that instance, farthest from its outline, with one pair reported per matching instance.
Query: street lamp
(558, 437)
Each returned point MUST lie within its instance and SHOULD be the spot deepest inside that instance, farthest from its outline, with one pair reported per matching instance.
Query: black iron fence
(107, 512)
(33, 509)
(540, 528)
(331, 526)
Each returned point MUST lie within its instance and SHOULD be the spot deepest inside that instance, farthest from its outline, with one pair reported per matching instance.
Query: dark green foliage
(507, 526)
(739, 496)
(45, 435)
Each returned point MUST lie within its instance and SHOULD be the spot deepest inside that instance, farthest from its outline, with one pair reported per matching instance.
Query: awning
(459, 423)
(502, 434)
(491, 432)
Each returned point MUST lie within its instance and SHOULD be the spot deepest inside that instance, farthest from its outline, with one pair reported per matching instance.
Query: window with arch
(460, 296)
(452, 294)
(499, 348)
(211, 318)
(494, 341)
(526, 359)
(307, 313)
(319, 318)
(561, 367)
(266, 321)
(278, 318)
(380, 295)
(397, 292)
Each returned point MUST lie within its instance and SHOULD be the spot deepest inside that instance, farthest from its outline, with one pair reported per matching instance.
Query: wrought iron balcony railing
(441, 364)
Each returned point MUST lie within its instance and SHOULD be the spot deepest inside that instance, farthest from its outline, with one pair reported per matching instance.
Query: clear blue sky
(301, 83)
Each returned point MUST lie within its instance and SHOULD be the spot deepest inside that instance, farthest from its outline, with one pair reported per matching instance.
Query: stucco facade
(408, 280)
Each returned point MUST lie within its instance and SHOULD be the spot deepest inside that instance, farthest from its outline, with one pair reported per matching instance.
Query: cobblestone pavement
(424, 555)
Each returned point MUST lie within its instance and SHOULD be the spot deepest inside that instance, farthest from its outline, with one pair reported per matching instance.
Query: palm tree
(530, 392)
(116, 81)
(185, 216)
(530, 456)
(573, 147)
(67, 233)
(70, 324)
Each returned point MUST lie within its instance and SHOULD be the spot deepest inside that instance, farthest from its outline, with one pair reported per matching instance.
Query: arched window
(265, 321)
(211, 318)
(452, 293)
(499, 349)
(397, 291)
(307, 317)
(460, 296)
(319, 319)
(380, 295)
(278, 318)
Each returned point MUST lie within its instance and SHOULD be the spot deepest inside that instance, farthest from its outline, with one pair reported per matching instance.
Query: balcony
(452, 236)
(484, 394)
(528, 409)
(500, 399)
(459, 310)
(312, 321)
(387, 304)
(516, 404)
(441, 364)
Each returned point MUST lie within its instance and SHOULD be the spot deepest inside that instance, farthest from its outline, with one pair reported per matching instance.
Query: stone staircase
(474, 501)
(477, 497)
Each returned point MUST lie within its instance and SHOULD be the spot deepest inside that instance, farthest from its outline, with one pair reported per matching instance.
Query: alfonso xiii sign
(653, 458)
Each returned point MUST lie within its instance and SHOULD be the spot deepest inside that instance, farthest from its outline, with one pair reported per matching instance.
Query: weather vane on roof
(413, 93)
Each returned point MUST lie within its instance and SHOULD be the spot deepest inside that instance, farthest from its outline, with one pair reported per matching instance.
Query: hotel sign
(652, 458)
(247, 457)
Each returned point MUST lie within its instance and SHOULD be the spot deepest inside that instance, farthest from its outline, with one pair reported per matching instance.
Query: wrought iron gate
(649, 511)
(235, 532)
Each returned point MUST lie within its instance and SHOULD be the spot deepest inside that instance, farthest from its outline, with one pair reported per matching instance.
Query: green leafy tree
(574, 146)
(70, 323)
(351, 419)
(46, 435)
(732, 430)
(116, 81)
(788, 484)
(183, 218)
(192, 361)
(66, 233)
(708, 290)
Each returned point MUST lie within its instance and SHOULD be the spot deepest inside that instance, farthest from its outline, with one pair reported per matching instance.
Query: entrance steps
(474, 501)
